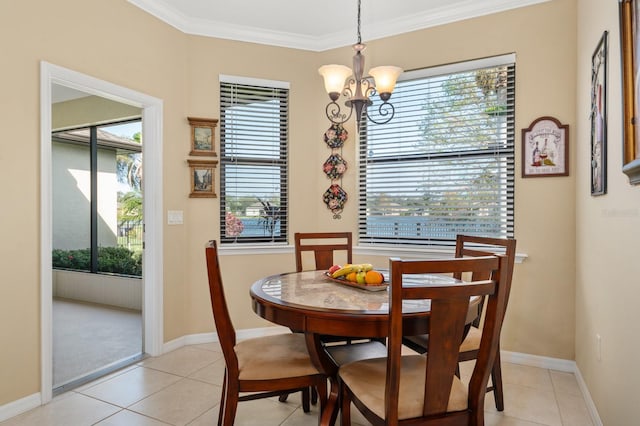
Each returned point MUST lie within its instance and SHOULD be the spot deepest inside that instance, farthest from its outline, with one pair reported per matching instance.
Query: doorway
(97, 226)
(151, 109)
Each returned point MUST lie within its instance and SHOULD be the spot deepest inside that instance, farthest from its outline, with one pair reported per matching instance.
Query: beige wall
(607, 231)
(119, 43)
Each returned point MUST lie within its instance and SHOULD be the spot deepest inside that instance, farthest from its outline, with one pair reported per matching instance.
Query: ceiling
(61, 93)
(315, 25)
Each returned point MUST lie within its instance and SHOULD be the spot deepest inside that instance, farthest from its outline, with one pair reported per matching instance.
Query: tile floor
(183, 388)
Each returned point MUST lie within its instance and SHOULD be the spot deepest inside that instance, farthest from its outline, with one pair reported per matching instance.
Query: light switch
(174, 217)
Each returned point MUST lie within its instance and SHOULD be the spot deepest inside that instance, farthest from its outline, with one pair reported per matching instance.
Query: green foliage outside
(119, 260)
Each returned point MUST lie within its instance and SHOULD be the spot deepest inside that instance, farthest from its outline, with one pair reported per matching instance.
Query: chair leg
(283, 397)
(345, 406)
(223, 397)
(496, 378)
(314, 395)
(230, 406)
(306, 397)
(321, 390)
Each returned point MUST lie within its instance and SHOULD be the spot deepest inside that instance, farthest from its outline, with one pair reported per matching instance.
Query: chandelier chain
(359, 36)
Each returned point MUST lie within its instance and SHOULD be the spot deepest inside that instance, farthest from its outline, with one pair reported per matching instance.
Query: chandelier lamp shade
(358, 88)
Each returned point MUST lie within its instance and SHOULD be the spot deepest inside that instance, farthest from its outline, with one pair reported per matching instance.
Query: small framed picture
(545, 148)
(599, 118)
(202, 178)
(203, 140)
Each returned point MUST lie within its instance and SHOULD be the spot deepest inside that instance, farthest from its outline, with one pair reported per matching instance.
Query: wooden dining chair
(265, 366)
(325, 246)
(423, 389)
(473, 246)
(328, 248)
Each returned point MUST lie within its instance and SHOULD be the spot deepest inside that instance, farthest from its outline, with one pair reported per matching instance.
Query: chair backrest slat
(323, 252)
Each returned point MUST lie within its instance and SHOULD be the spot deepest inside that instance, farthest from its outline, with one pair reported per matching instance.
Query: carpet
(89, 337)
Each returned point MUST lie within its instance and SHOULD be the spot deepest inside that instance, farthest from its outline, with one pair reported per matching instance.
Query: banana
(356, 267)
(366, 267)
(344, 271)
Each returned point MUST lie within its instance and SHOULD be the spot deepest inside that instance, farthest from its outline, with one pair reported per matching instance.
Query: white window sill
(252, 249)
(414, 252)
(378, 250)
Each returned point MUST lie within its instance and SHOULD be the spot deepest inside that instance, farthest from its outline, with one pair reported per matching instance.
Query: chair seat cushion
(472, 341)
(274, 357)
(366, 379)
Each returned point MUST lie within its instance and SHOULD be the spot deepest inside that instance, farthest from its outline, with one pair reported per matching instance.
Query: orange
(374, 278)
(351, 277)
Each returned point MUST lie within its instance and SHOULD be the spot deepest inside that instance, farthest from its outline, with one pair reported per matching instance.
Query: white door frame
(153, 240)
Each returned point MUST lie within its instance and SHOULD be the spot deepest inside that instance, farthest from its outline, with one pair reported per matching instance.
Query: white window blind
(445, 164)
(253, 162)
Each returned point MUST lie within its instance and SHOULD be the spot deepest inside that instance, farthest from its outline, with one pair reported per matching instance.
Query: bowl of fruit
(359, 275)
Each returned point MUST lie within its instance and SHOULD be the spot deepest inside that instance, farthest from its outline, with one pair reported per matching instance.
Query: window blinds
(253, 163)
(445, 164)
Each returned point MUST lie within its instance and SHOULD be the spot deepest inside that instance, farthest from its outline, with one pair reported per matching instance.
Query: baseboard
(591, 406)
(198, 339)
(20, 406)
(557, 364)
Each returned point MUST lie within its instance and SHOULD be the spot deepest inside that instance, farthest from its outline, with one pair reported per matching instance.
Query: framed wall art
(203, 132)
(629, 14)
(599, 118)
(545, 148)
(202, 178)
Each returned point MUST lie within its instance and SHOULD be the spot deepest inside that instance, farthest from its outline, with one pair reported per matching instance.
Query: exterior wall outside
(607, 234)
(105, 289)
(72, 197)
(124, 45)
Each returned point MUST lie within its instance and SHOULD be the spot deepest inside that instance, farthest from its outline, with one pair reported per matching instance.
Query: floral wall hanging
(334, 168)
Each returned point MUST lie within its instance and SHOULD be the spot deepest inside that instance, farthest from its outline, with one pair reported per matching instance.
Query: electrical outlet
(598, 347)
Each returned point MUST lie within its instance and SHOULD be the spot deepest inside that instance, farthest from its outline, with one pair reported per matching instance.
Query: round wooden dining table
(312, 303)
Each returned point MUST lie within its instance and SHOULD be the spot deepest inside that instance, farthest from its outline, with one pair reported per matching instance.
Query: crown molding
(391, 27)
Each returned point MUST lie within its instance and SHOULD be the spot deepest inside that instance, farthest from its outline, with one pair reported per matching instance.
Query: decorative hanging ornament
(334, 167)
(335, 136)
(335, 197)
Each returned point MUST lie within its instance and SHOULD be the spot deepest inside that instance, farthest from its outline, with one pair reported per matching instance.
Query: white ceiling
(61, 93)
(315, 25)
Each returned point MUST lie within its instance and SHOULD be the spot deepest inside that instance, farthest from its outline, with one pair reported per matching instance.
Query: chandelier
(340, 79)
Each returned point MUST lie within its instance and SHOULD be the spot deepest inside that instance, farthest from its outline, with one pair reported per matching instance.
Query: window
(445, 164)
(97, 198)
(254, 118)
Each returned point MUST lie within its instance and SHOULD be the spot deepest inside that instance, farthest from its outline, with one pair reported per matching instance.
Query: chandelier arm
(335, 115)
(346, 91)
(370, 88)
(386, 109)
